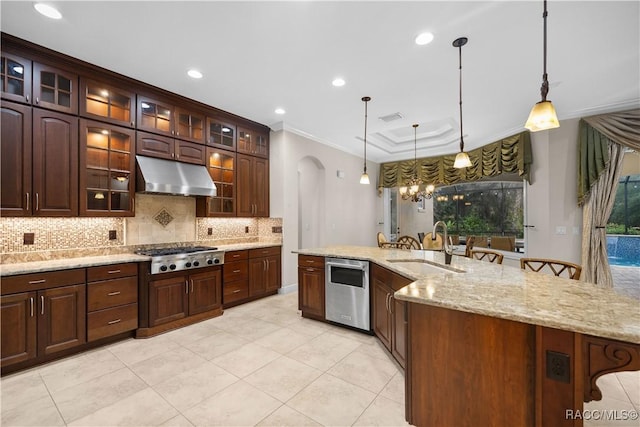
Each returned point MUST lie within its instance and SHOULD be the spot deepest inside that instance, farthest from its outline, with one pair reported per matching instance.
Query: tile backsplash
(159, 220)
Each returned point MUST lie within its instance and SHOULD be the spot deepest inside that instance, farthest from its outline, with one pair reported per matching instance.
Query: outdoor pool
(623, 250)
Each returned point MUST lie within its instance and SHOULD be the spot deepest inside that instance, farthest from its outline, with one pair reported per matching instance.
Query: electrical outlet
(277, 229)
(561, 230)
(29, 238)
(246, 229)
(113, 235)
(209, 231)
(558, 366)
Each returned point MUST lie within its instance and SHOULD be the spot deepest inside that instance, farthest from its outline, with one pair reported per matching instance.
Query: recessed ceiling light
(194, 74)
(424, 38)
(47, 10)
(280, 111)
(337, 82)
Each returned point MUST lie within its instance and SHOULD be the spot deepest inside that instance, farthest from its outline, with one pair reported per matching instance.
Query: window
(481, 208)
(625, 216)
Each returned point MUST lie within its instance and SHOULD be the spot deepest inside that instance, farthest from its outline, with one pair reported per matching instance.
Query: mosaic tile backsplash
(60, 233)
(72, 237)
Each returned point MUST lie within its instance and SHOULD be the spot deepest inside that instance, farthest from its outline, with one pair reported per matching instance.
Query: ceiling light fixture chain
(364, 178)
(543, 114)
(462, 159)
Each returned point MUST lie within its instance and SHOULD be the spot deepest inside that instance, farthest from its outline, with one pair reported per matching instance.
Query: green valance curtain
(595, 135)
(509, 155)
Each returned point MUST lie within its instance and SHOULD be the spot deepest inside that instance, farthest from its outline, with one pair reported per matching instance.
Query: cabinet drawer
(310, 261)
(235, 291)
(45, 280)
(112, 321)
(260, 252)
(235, 256)
(111, 293)
(232, 271)
(105, 272)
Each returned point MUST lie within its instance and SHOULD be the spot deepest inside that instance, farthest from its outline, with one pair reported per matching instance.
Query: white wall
(411, 221)
(351, 210)
(552, 195)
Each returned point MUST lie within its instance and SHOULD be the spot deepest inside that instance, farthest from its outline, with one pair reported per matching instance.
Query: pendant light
(411, 190)
(543, 114)
(462, 159)
(364, 178)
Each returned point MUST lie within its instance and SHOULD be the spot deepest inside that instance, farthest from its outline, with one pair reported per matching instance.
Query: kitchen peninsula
(495, 345)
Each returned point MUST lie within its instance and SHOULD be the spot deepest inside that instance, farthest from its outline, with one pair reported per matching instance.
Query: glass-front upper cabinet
(16, 78)
(221, 134)
(55, 89)
(155, 116)
(189, 125)
(253, 142)
(107, 165)
(221, 165)
(107, 103)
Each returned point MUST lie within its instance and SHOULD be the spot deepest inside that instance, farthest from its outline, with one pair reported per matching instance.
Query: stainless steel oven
(347, 292)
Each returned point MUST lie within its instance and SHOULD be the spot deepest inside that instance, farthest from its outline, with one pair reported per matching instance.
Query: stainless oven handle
(351, 266)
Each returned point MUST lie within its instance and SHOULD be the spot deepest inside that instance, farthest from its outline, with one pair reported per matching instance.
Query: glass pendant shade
(462, 161)
(543, 116)
(403, 190)
(364, 178)
(414, 189)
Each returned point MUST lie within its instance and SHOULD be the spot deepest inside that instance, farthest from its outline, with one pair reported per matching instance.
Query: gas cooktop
(166, 260)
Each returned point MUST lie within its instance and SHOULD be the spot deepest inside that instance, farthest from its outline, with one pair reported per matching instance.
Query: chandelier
(411, 190)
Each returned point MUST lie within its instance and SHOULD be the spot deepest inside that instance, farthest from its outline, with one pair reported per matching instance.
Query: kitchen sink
(424, 266)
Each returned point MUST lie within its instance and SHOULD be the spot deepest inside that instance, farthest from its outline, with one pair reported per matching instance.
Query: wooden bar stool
(557, 267)
(491, 256)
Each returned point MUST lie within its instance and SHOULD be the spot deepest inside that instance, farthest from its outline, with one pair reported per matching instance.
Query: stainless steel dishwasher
(347, 292)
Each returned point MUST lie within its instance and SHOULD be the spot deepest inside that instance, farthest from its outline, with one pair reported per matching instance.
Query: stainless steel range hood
(170, 177)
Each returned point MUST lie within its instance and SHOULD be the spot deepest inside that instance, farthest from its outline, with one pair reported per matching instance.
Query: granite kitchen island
(495, 345)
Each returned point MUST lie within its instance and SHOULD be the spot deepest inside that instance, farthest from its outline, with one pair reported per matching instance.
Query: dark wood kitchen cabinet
(221, 167)
(55, 88)
(235, 277)
(252, 194)
(112, 300)
(107, 167)
(265, 271)
(42, 314)
(221, 134)
(163, 147)
(39, 162)
(108, 103)
(389, 314)
(311, 286)
(15, 73)
(162, 117)
(253, 142)
(181, 296)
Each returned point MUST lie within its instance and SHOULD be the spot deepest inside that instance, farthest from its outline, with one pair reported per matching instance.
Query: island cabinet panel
(466, 369)
(389, 314)
(311, 286)
(18, 327)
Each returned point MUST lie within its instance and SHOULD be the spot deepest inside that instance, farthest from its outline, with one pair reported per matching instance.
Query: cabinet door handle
(391, 303)
(310, 260)
(27, 98)
(310, 269)
(31, 304)
(236, 291)
(113, 271)
(113, 322)
(35, 282)
(28, 201)
(111, 294)
(236, 256)
(236, 271)
(191, 285)
(186, 286)
(37, 202)
(42, 304)
(37, 100)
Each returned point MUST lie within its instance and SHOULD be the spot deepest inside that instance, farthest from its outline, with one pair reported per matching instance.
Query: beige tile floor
(258, 364)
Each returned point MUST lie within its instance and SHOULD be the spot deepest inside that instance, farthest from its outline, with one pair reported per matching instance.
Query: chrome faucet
(447, 245)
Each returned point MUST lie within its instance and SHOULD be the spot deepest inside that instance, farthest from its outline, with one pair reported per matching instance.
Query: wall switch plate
(113, 235)
(246, 229)
(558, 366)
(209, 231)
(561, 229)
(276, 229)
(29, 238)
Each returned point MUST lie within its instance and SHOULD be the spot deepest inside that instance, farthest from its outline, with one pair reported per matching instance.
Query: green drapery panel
(595, 134)
(509, 155)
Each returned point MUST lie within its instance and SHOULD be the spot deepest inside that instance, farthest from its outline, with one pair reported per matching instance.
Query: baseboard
(288, 289)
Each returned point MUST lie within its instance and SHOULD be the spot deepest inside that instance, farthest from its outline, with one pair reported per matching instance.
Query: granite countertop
(70, 262)
(504, 292)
